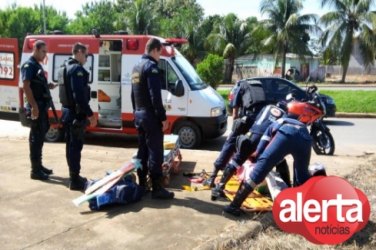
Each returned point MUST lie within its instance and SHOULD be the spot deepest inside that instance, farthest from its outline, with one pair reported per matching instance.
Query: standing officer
(150, 118)
(249, 100)
(76, 111)
(284, 136)
(35, 87)
(246, 145)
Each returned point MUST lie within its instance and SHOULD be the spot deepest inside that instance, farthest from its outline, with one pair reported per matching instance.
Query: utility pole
(44, 17)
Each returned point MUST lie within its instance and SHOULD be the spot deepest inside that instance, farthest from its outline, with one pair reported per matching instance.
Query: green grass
(349, 101)
(224, 93)
(353, 101)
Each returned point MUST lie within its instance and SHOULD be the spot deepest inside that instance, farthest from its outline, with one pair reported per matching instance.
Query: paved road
(351, 135)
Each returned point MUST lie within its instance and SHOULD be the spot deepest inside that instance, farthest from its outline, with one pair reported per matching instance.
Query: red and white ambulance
(195, 110)
(9, 74)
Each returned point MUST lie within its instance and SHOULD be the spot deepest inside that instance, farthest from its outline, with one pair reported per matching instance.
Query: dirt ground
(271, 237)
(352, 78)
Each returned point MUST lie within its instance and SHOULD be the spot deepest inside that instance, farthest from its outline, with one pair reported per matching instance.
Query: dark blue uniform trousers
(229, 147)
(74, 136)
(246, 148)
(150, 139)
(280, 146)
(38, 130)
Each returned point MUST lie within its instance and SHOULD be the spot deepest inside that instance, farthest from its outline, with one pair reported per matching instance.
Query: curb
(354, 115)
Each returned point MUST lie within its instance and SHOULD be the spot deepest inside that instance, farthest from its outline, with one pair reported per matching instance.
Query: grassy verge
(353, 101)
(349, 101)
(271, 237)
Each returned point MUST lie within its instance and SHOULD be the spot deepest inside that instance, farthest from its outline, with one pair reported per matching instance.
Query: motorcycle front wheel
(322, 142)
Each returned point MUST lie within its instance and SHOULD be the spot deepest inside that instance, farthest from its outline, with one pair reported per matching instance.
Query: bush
(211, 70)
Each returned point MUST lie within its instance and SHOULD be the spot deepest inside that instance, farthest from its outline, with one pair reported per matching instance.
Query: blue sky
(242, 8)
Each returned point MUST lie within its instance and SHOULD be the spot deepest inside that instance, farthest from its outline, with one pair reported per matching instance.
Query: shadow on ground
(130, 141)
(366, 237)
(337, 122)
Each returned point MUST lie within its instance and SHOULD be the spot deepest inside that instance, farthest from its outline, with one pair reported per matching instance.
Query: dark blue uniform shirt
(286, 126)
(31, 70)
(146, 94)
(79, 79)
(267, 116)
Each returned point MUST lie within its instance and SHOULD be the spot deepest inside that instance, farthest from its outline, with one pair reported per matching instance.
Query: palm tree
(351, 22)
(232, 33)
(289, 31)
(141, 16)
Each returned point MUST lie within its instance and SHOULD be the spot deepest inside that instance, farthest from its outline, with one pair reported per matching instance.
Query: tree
(195, 50)
(141, 16)
(258, 33)
(95, 15)
(182, 18)
(350, 22)
(179, 18)
(17, 21)
(211, 70)
(55, 20)
(229, 54)
(289, 31)
(230, 30)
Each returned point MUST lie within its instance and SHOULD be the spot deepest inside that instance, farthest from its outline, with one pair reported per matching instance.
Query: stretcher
(256, 200)
(172, 157)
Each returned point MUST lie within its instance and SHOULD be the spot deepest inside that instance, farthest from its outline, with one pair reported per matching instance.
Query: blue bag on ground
(125, 191)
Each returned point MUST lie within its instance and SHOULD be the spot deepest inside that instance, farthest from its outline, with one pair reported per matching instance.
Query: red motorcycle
(323, 142)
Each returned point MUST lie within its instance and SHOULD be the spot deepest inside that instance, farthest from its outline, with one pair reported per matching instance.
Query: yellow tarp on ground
(255, 200)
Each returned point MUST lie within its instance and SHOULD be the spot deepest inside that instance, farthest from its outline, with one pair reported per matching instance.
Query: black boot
(210, 181)
(234, 208)
(37, 172)
(159, 192)
(227, 174)
(77, 182)
(46, 170)
(284, 172)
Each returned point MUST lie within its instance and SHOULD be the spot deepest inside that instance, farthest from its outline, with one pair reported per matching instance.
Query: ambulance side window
(59, 59)
(169, 75)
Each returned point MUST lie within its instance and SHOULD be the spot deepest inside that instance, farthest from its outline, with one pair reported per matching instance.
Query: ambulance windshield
(188, 72)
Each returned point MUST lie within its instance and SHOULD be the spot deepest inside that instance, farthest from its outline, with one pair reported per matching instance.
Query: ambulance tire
(189, 134)
(54, 135)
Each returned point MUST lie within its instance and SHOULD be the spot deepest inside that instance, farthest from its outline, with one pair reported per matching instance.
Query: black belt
(68, 107)
(144, 109)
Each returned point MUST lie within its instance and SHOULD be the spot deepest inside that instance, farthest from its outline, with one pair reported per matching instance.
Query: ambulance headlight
(214, 112)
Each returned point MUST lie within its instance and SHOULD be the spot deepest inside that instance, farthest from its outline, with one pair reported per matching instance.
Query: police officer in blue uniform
(76, 112)
(246, 145)
(248, 101)
(35, 87)
(150, 118)
(284, 136)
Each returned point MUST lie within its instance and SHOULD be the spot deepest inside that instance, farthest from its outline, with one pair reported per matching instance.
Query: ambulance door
(109, 87)
(175, 104)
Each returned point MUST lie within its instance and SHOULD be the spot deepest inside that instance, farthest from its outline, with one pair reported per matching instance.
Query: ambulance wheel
(189, 134)
(54, 135)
